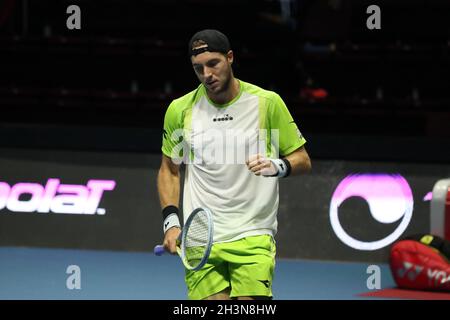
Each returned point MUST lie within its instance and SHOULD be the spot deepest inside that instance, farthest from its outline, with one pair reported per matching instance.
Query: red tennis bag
(421, 262)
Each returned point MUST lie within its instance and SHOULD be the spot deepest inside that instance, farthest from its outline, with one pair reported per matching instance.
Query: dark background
(105, 88)
(129, 60)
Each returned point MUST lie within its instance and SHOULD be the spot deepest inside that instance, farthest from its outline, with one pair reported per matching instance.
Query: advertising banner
(342, 210)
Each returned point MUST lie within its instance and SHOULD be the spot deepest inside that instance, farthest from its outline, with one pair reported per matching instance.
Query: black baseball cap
(215, 41)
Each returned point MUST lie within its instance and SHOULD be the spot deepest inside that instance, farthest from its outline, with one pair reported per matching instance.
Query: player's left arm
(294, 158)
(296, 162)
(299, 161)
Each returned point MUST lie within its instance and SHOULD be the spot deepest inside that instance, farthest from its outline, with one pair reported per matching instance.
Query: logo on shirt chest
(225, 117)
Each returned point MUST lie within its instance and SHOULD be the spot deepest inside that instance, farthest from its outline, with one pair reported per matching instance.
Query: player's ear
(230, 56)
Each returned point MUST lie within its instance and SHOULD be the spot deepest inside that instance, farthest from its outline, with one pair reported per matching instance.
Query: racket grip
(159, 250)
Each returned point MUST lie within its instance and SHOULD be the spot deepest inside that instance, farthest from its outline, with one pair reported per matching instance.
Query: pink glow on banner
(36, 191)
(55, 197)
(97, 188)
(50, 191)
(72, 199)
(4, 192)
(389, 198)
(385, 194)
(428, 196)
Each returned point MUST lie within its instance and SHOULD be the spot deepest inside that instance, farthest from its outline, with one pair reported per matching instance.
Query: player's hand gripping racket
(195, 240)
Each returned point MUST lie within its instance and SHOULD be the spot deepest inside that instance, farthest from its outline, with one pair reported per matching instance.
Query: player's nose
(207, 73)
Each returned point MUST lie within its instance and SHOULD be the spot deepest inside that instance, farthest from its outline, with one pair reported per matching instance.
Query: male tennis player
(226, 131)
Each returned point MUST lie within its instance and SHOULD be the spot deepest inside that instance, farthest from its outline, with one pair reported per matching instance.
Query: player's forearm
(300, 162)
(168, 188)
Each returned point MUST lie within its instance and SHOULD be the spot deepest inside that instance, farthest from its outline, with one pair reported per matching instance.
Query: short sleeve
(172, 131)
(289, 136)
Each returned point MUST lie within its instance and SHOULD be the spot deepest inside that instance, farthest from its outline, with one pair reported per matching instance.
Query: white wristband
(171, 221)
(281, 167)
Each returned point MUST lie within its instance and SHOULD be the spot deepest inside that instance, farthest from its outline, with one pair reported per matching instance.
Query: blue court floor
(31, 273)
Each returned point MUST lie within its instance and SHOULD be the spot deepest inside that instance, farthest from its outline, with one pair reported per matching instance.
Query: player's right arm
(168, 180)
(169, 196)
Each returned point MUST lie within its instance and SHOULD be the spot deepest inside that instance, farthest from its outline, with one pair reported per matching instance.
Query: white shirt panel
(222, 139)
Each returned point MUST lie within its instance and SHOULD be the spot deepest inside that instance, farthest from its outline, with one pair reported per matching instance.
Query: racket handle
(159, 250)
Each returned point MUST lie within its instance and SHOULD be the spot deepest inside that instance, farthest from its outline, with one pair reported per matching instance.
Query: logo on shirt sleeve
(298, 131)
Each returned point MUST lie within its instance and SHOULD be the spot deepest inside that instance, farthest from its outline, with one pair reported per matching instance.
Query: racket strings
(196, 239)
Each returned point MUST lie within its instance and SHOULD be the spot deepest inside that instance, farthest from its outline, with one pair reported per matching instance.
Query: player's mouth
(211, 84)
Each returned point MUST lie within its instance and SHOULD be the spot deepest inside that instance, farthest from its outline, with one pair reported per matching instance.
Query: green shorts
(246, 266)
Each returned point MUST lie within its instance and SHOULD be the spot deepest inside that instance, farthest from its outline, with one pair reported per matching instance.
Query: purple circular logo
(389, 198)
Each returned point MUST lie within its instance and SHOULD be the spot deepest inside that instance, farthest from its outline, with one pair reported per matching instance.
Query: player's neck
(227, 95)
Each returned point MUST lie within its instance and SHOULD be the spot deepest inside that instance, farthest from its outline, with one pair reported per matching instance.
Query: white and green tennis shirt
(214, 141)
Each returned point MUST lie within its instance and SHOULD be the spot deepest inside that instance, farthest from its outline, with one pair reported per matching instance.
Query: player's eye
(212, 63)
(198, 68)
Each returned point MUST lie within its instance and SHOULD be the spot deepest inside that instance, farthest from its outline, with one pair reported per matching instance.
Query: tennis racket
(195, 241)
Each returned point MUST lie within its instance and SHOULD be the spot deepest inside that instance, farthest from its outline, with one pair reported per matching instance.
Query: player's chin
(216, 87)
(214, 90)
